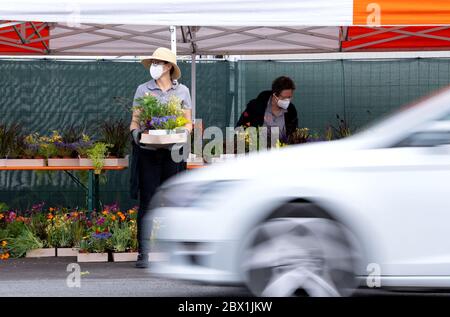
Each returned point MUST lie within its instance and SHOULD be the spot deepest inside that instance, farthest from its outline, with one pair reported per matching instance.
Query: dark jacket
(134, 172)
(253, 115)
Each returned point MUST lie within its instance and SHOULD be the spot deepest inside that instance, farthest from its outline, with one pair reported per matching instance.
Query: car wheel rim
(295, 256)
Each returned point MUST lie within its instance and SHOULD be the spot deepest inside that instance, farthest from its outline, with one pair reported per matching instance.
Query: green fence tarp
(45, 95)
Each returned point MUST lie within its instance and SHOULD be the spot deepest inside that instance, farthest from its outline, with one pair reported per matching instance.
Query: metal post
(193, 85)
(173, 38)
(90, 197)
(96, 192)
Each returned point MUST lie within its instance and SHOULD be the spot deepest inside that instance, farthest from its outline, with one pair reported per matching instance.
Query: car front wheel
(299, 256)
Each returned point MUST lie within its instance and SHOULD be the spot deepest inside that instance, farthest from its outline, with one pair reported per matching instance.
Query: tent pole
(173, 38)
(193, 84)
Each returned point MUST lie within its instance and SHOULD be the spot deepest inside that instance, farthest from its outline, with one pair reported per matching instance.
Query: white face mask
(156, 71)
(283, 104)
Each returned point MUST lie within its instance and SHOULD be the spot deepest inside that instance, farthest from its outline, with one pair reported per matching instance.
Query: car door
(411, 191)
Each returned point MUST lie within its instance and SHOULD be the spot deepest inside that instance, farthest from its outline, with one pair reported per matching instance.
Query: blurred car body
(319, 219)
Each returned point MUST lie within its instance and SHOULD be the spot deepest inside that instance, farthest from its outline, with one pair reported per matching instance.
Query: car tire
(295, 256)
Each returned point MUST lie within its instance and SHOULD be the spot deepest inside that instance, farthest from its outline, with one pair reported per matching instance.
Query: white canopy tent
(213, 27)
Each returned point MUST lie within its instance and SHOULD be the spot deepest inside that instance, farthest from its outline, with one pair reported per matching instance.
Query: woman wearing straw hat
(151, 167)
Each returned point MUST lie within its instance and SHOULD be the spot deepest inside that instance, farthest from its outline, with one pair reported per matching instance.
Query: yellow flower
(4, 243)
(105, 212)
(131, 211)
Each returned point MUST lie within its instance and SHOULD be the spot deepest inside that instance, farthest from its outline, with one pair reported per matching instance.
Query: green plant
(24, 242)
(97, 154)
(59, 233)
(9, 137)
(71, 138)
(342, 129)
(299, 136)
(83, 145)
(78, 229)
(121, 239)
(3, 207)
(156, 115)
(47, 145)
(38, 225)
(117, 134)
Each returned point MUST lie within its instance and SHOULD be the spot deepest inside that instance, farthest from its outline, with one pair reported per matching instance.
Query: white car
(319, 219)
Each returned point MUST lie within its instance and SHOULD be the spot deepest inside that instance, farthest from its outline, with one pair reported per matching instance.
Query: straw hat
(163, 54)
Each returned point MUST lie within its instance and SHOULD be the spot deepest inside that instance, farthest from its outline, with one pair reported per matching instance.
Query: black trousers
(154, 167)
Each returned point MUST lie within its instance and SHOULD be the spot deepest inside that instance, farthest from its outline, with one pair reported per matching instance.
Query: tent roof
(221, 27)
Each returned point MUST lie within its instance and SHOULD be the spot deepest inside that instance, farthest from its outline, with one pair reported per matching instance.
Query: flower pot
(163, 137)
(85, 162)
(158, 132)
(2, 162)
(25, 162)
(41, 253)
(63, 162)
(125, 256)
(62, 252)
(116, 161)
(92, 257)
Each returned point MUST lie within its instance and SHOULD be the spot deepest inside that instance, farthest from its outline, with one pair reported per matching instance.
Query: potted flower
(46, 228)
(62, 149)
(14, 147)
(47, 146)
(117, 134)
(60, 232)
(161, 121)
(94, 246)
(97, 154)
(81, 148)
(124, 236)
(21, 238)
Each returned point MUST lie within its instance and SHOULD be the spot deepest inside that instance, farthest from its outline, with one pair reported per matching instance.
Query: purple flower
(100, 221)
(157, 122)
(101, 236)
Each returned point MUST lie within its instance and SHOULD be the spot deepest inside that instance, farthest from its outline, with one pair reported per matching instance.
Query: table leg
(97, 192)
(93, 191)
(90, 192)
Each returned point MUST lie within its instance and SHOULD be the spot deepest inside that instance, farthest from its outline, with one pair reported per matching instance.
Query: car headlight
(190, 194)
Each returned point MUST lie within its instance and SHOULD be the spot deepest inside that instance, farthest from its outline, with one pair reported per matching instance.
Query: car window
(426, 139)
(445, 118)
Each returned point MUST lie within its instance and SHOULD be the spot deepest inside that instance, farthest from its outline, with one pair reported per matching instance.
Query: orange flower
(131, 211)
(105, 212)
(4, 243)
(4, 256)
(51, 209)
(113, 218)
(49, 216)
(121, 215)
(1, 216)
